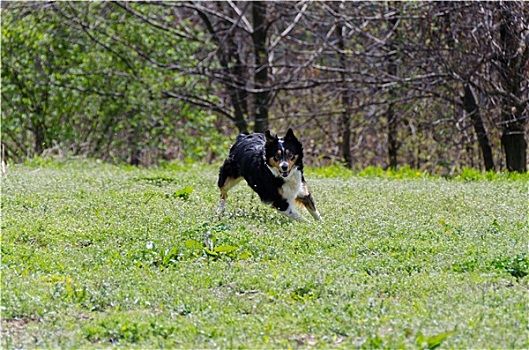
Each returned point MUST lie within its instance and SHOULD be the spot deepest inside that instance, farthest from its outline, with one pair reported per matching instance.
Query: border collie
(273, 167)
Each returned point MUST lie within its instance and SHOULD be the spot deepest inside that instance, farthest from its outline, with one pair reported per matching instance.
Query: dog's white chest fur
(292, 186)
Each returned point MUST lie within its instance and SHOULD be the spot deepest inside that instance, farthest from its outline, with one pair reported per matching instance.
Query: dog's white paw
(293, 214)
(221, 208)
(316, 215)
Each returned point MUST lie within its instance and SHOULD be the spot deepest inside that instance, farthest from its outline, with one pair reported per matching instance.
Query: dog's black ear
(290, 135)
(269, 137)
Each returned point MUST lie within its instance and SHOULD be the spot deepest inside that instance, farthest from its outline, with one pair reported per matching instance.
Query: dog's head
(283, 153)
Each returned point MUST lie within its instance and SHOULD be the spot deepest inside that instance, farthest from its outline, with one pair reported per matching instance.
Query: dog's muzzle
(283, 166)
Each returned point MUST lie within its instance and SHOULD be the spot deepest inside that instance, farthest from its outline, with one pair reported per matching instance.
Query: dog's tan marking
(273, 162)
(307, 202)
(228, 184)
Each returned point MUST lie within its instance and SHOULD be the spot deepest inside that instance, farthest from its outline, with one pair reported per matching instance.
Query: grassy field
(96, 256)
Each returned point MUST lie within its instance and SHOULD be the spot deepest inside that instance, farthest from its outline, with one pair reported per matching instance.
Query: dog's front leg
(293, 214)
(290, 211)
(308, 203)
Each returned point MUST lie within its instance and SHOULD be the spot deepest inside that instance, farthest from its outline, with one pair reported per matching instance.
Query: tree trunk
(345, 121)
(391, 117)
(515, 146)
(40, 137)
(262, 97)
(39, 130)
(472, 108)
(346, 130)
(513, 60)
(230, 62)
(393, 143)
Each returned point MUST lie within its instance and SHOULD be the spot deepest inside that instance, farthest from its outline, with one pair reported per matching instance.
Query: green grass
(97, 255)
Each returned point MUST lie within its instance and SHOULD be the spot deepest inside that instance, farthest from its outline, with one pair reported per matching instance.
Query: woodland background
(436, 86)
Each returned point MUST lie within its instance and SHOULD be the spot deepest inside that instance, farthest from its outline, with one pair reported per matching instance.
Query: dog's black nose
(284, 166)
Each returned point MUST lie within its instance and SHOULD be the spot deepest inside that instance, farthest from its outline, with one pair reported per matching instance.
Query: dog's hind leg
(228, 184)
(228, 178)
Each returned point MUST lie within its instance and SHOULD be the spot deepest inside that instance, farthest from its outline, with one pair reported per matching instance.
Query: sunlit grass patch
(95, 255)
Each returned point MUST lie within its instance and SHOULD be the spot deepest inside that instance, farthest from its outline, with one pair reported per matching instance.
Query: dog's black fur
(273, 167)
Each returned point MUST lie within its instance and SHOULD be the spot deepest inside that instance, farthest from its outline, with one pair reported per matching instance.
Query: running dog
(273, 167)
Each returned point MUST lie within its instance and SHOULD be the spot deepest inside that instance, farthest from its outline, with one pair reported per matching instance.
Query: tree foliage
(434, 85)
(71, 81)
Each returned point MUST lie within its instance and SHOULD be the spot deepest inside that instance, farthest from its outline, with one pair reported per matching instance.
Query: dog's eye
(277, 157)
(291, 156)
